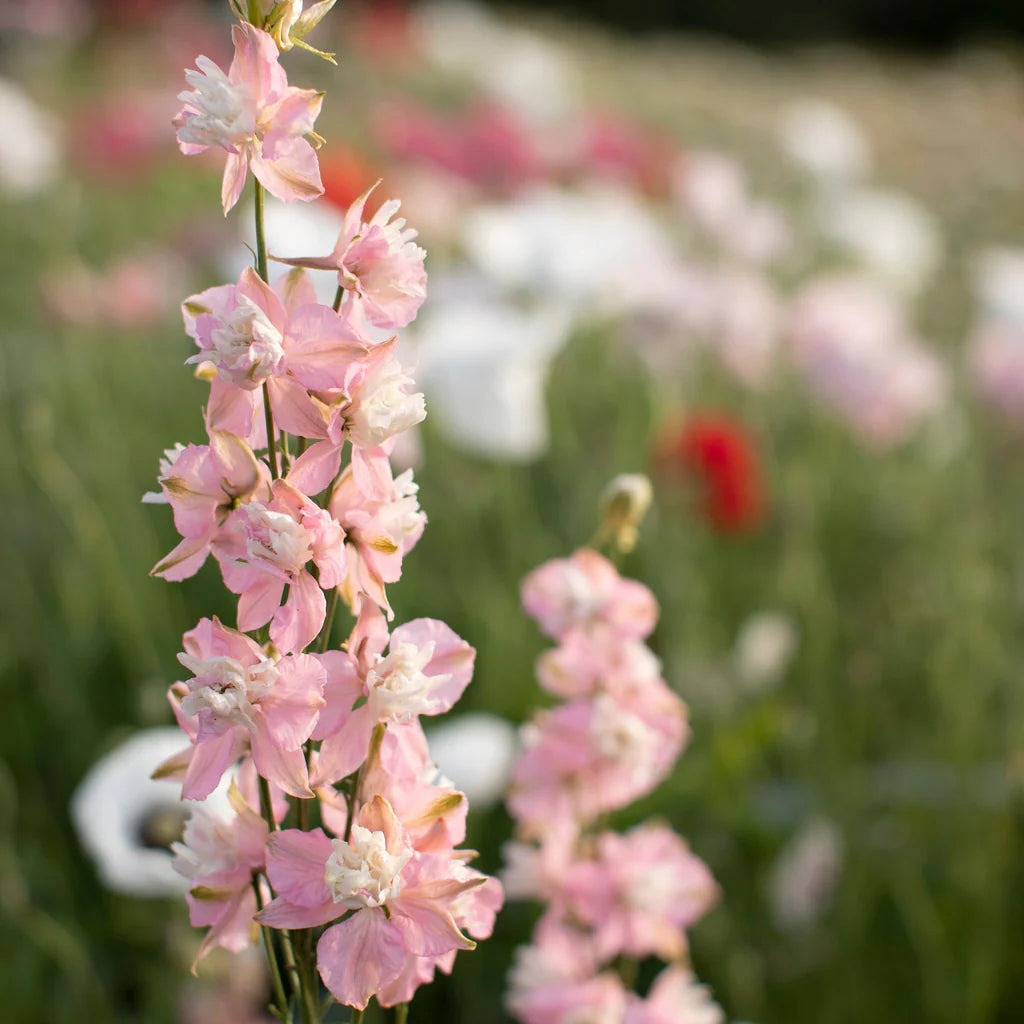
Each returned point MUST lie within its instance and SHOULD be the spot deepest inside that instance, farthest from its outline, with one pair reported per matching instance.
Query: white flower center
(582, 600)
(247, 347)
(223, 111)
(620, 736)
(653, 890)
(384, 409)
(226, 687)
(275, 539)
(398, 688)
(361, 872)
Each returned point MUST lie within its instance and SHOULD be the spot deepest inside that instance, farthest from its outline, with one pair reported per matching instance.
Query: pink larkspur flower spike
(253, 114)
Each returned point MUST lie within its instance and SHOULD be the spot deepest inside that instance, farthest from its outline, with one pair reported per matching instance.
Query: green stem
(338, 296)
(401, 1013)
(261, 269)
(275, 971)
(266, 804)
(325, 635)
(357, 1017)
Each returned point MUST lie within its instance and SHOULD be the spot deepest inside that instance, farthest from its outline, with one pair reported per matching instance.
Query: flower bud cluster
(610, 898)
(338, 818)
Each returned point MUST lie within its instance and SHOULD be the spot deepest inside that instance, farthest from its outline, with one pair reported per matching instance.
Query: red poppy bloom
(717, 451)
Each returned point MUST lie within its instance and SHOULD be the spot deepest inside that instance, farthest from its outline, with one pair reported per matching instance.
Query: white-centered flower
(248, 348)
(361, 872)
(384, 407)
(225, 110)
(620, 736)
(399, 690)
(227, 687)
(275, 539)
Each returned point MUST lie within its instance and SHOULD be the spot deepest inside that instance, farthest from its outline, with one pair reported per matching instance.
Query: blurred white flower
(803, 879)
(763, 650)
(524, 70)
(889, 233)
(823, 139)
(571, 247)
(476, 752)
(30, 157)
(292, 229)
(120, 814)
(998, 280)
(483, 364)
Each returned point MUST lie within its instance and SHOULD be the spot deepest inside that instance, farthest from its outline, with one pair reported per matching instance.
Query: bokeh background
(777, 265)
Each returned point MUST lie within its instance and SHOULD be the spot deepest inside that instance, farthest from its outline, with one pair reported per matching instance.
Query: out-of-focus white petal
(475, 751)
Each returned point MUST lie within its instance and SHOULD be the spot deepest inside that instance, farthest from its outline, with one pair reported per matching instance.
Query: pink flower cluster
(338, 818)
(609, 896)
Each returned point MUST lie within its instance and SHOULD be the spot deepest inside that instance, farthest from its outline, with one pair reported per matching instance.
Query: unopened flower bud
(624, 504)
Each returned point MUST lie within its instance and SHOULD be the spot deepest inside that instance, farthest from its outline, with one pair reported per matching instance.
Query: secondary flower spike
(256, 116)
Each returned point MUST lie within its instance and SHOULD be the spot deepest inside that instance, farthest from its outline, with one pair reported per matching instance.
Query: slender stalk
(357, 1017)
(261, 269)
(325, 634)
(266, 804)
(401, 1013)
(275, 971)
(338, 296)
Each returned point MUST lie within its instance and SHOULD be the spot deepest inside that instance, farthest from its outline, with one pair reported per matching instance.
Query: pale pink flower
(221, 855)
(639, 892)
(426, 670)
(585, 664)
(374, 405)
(202, 484)
(382, 524)
(556, 981)
(996, 358)
(852, 343)
(379, 265)
(567, 594)
(589, 757)
(239, 696)
(254, 114)
(265, 547)
(675, 997)
(252, 334)
(402, 901)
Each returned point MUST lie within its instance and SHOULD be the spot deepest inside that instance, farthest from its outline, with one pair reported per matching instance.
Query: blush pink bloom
(576, 593)
(851, 341)
(402, 901)
(585, 664)
(238, 695)
(378, 264)
(267, 547)
(221, 856)
(252, 334)
(675, 998)
(425, 671)
(589, 757)
(381, 526)
(639, 893)
(556, 981)
(202, 484)
(254, 114)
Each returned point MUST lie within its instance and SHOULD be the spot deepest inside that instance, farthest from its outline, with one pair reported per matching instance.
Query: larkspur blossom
(254, 114)
(379, 266)
(608, 897)
(324, 735)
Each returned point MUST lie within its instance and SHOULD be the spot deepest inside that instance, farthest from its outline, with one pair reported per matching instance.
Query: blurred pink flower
(852, 343)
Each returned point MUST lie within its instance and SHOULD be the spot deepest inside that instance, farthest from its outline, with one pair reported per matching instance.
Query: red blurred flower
(717, 451)
(346, 174)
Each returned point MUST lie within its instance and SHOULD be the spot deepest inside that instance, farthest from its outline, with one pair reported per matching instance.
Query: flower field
(788, 288)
